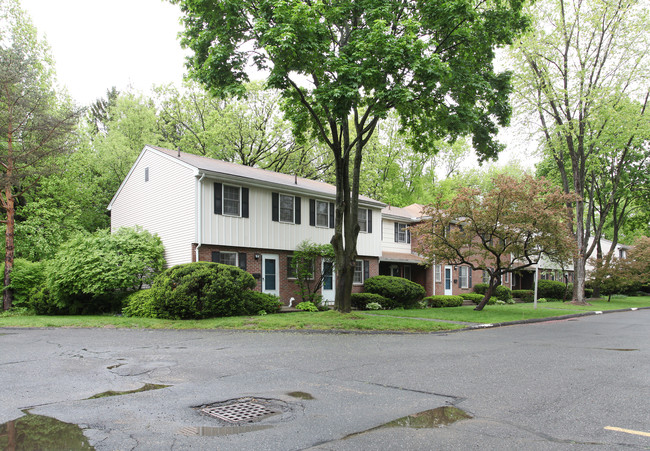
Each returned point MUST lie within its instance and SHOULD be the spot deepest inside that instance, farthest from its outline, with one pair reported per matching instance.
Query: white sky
(98, 44)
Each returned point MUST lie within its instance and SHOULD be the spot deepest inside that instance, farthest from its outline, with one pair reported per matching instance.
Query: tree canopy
(342, 66)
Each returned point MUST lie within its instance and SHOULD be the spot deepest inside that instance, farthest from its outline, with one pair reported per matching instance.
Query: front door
(448, 275)
(270, 266)
(328, 289)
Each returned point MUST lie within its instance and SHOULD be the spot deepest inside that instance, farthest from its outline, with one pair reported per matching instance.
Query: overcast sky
(98, 44)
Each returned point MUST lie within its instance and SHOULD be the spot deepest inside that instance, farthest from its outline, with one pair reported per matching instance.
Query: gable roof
(255, 176)
(410, 213)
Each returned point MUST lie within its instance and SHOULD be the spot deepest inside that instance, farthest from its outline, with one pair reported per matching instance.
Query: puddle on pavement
(440, 416)
(212, 431)
(32, 432)
(145, 387)
(300, 395)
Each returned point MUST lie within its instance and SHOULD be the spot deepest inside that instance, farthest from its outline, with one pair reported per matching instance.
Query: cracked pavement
(553, 385)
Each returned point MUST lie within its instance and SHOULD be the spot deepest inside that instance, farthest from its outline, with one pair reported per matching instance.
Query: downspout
(199, 204)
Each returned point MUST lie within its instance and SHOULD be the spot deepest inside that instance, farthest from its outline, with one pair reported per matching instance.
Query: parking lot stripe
(628, 431)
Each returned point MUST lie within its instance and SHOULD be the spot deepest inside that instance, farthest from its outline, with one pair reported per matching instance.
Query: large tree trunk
(9, 249)
(599, 264)
(488, 294)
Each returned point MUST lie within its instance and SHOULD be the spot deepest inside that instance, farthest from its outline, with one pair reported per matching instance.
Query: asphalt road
(553, 385)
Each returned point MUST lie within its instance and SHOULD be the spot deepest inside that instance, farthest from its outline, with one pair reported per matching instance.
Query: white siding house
(206, 209)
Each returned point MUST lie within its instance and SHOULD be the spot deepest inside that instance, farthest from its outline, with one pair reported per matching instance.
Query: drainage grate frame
(239, 412)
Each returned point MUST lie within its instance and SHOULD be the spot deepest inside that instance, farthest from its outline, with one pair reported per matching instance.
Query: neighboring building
(209, 210)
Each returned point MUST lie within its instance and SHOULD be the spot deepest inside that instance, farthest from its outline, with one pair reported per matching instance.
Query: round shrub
(552, 289)
(444, 301)
(491, 301)
(140, 303)
(361, 300)
(26, 277)
(402, 291)
(201, 290)
(503, 293)
(481, 288)
(524, 295)
(307, 306)
(256, 302)
(373, 306)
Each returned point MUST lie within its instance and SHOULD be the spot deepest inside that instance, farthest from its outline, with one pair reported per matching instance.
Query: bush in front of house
(256, 302)
(360, 301)
(474, 297)
(402, 292)
(481, 288)
(524, 295)
(553, 289)
(198, 290)
(93, 273)
(442, 300)
(26, 278)
(504, 294)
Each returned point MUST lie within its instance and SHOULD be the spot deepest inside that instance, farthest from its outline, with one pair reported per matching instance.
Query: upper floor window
(402, 233)
(622, 253)
(322, 214)
(365, 220)
(146, 174)
(230, 200)
(286, 208)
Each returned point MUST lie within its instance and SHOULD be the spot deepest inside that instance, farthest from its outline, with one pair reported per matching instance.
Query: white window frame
(319, 215)
(281, 208)
(401, 232)
(363, 228)
(463, 279)
(358, 272)
(438, 273)
(222, 254)
(225, 201)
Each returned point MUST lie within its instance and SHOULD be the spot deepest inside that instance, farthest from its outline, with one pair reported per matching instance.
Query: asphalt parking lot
(582, 383)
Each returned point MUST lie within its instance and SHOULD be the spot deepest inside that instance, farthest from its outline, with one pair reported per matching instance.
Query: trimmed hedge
(360, 300)
(493, 300)
(474, 297)
(504, 294)
(444, 301)
(481, 288)
(524, 295)
(552, 289)
(256, 302)
(401, 291)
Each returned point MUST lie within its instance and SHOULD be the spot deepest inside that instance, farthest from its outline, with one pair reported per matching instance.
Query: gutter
(199, 215)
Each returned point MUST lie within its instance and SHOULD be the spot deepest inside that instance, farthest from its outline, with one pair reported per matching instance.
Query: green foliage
(256, 302)
(439, 301)
(373, 306)
(307, 306)
(201, 290)
(524, 295)
(474, 297)
(491, 301)
(401, 291)
(26, 277)
(140, 304)
(504, 294)
(552, 289)
(309, 278)
(93, 272)
(360, 301)
(481, 288)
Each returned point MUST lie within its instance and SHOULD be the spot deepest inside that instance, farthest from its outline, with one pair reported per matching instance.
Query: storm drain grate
(239, 412)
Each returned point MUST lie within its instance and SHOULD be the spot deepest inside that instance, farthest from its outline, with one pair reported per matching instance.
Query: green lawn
(385, 320)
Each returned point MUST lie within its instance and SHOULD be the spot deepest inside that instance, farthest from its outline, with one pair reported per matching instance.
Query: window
(365, 220)
(286, 208)
(231, 200)
(402, 234)
(407, 272)
(322, 214)
(506, 278)
(486, 277)
(464, 277)
(229, 258)
(438, 273)
(146, 174)
(395, 272)
(361, 271)
(622, 253)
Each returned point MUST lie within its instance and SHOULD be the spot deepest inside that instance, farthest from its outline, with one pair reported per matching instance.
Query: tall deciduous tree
(35, 123)
(581, 62)
(501, 229)
(343, 65)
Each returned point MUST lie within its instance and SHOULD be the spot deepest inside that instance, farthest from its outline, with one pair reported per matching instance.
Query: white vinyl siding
(388, 239)
(164, 204)
(260, 231)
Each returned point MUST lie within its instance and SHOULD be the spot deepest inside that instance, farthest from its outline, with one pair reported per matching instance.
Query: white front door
(448, 280)
(270, 271)
(329, 278)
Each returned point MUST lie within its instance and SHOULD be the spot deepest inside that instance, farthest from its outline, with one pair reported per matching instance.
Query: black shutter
(331, 215)
(408, 236)
(242, 260)
(297, 210)
(275, 207)
(366, 270)
(217, 199)
(369, 217)
(470, 277)
(312, 212)
(396, 232)
(216, 257)
(244, 202)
